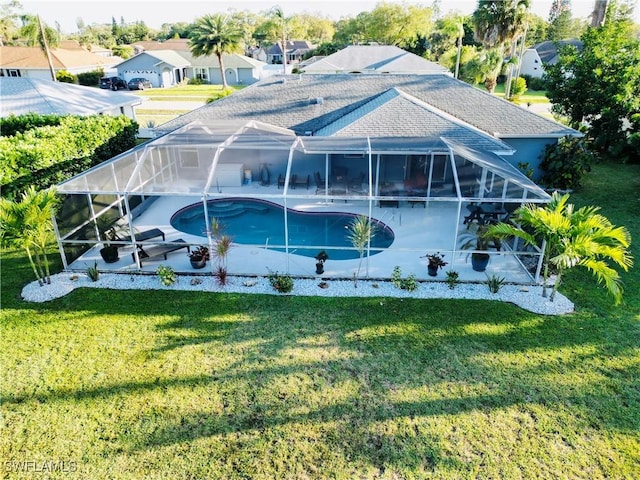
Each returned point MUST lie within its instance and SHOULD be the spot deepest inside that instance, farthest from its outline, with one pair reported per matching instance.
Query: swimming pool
(258, 222)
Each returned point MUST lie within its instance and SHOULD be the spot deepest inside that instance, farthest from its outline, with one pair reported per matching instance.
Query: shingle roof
(293, 103)
(548, 51)
(386, 115)
(169, 57)
(176, 44)
(33, 57)
(369, 58)
(229, 60)
(34, 95)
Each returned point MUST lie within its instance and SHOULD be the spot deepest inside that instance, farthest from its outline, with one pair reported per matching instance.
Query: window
(13, 72)
(201, 73)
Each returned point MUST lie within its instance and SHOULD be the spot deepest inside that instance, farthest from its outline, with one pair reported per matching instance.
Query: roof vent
(316, 101)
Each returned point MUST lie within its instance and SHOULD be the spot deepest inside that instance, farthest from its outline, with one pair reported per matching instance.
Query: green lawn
(131, 384)
(183, 92)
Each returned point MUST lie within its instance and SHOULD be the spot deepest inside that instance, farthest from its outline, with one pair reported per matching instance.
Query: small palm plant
(361, 231)
(581, 237)
(28, 224)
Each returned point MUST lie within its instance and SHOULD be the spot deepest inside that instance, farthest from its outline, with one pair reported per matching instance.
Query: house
(31, 62)
(296, 50)
(41, 96)
(287, 164)
(546, 53)
(374, 59)
(175, 44)
(387, 105)
(163, 68)
(239, 69)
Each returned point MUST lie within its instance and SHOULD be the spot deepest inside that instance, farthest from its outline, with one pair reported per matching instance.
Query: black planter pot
(110, 254)
(479, 261)
(198, 263)
(319, 268)
(432, 270)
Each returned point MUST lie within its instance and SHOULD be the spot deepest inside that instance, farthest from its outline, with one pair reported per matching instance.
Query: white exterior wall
(531, 64)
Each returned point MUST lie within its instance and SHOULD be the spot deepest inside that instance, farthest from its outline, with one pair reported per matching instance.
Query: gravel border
(527, 297)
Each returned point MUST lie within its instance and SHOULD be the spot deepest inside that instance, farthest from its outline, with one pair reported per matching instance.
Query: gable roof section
(34, 58)
(548, 51)
(233, 60)
(375, 58)
(292, 102)
(175, 44)
(386, 115)
(169, 57)
(34, 95)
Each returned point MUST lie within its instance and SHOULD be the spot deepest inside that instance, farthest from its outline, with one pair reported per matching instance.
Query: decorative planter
(319, 268)
(198, 263)
(432, 270)
(479, 261)
(110, 254)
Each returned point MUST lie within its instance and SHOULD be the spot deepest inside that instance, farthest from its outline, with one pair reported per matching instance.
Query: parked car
(139, 84)
(113, 83)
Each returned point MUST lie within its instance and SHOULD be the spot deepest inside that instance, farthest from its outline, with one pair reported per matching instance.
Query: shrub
(494, 282)
(281, 283)
(49, 154)
(13, 124)
(518, 87)
(453, 279)
(408, 283)
(90, 79)
(534, 83)
(167, 275)
(93, 273)
(196, 81)
(565, 163)
(66, 77)
(221, 94)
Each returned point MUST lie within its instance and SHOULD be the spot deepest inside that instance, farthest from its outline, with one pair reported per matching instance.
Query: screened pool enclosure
(283, 198)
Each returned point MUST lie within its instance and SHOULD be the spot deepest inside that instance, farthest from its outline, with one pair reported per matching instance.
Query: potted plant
(199, 256)
(321, 257)
(476, 239)
(436, 262)
(108, 233)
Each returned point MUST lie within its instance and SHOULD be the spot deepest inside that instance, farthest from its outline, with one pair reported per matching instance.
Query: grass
(156, 384)
(183, 92)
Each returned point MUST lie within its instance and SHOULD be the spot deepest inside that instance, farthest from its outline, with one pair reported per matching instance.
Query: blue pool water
(261, 223)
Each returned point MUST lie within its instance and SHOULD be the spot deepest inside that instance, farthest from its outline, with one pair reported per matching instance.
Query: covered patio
(421, 194)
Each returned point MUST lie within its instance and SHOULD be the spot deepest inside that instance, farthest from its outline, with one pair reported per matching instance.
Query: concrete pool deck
(433, 224)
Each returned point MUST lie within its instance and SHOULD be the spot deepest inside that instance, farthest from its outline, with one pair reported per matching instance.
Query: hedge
(49, 154)
(13, 124)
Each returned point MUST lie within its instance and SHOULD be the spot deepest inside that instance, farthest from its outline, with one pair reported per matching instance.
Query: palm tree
(360, 233)
(486, 67)
(28, 224)
(580, 237)
(214, 34)
(41, 35)
(278, 15)
(499, 23)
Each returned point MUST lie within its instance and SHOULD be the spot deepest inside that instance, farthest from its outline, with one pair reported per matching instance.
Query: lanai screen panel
(484, 175)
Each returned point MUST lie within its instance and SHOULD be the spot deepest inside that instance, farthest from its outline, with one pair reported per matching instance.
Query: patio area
(426, 192)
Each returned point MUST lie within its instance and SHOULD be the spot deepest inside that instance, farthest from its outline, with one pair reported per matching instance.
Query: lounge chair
(321, 186)
(148, 253)
(298, 181)
(143, 236)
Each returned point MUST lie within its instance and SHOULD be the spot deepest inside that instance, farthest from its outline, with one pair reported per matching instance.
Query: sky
(156, 12)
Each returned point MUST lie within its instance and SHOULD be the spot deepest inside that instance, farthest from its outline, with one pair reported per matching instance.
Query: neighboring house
(163, 68)
(175, 44)
(296, 50)
(546, 53)
(34, 95)
(388, 106)
(31, 62)
(238, 69)
(374, 59)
